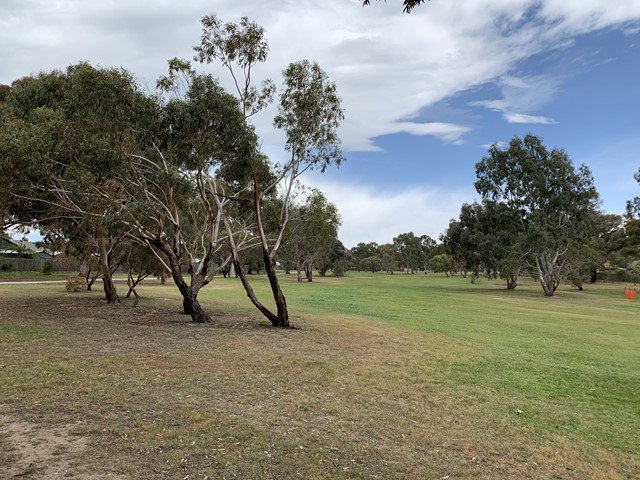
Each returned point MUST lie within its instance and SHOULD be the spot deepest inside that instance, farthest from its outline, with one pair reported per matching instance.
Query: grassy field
(34, 276)
(385, 376)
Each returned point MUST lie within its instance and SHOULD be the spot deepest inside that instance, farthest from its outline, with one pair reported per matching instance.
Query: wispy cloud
(523, 94)
(522, 118)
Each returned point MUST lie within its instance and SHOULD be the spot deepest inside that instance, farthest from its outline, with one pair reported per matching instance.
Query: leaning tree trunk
(512, 282)
(282, 319)
(192, 306)
(251, 294)
(110, 293)
(190, 303)
(282, 314)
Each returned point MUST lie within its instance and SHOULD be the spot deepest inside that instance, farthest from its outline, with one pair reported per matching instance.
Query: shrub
(76, 284)
(47, 268)
(6, 267)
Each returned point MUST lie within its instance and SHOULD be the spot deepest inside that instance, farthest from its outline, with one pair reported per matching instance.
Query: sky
(424, 94)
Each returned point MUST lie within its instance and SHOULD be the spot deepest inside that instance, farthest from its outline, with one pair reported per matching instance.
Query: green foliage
(6, 267)
(390, 259)
(371, 264)
(47, 268)
(554, 203)
(409, 248)
(310, 112)
(623, 245)
(312, 234)
(237, 46)
(442, 263)
(361, 251)
(485, 239)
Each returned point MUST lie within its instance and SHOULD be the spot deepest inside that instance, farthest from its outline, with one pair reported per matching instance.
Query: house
(11, 247)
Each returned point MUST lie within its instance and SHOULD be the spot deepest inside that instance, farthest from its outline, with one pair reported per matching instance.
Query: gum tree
(68, 133)
(553, 201)
(171, 196)
(309, 113)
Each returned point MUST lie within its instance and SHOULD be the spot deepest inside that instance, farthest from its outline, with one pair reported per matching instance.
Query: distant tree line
(539, 216)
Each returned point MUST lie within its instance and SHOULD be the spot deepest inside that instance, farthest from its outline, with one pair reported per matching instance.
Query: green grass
(17, 276)
(386, 376)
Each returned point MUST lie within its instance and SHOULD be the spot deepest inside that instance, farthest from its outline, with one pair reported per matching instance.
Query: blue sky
(424, 94)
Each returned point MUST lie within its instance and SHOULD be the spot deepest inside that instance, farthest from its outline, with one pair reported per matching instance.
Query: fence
(36, 264)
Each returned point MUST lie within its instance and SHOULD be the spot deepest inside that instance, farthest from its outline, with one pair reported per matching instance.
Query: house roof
(9, 246)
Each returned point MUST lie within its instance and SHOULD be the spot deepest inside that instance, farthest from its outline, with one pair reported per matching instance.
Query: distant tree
(389, 257)
(623, 245)
(633, 206)
(340, 258)
(361, 251)
(140, 262)
(371, 264)
(312, 235)
(554, 201)
(485, 238)
(427, 246)
(442, 263)
(409, 249)
(408, 4)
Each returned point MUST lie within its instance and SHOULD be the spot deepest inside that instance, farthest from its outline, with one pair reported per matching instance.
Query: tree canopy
(553, 201)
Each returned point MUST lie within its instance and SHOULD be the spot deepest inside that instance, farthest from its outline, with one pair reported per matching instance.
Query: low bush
(47, 268)
(76, 284)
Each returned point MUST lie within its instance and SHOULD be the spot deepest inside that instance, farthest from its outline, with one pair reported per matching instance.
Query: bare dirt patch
(31, 450)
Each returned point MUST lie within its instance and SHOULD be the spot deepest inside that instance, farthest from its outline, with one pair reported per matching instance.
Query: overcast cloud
(388, 66)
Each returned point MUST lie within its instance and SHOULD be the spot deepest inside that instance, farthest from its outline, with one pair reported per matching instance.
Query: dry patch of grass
(154, 396)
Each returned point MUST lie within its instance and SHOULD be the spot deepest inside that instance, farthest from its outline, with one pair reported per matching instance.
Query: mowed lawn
(385, 376)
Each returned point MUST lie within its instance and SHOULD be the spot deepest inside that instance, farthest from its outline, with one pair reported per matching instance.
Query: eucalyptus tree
(172, 202)
(633, 206)
(553, 201)
(361, 251)
(409, 249)
(485, 238)
(69, 133)
(312, 234)
(389, 258)
(428, 247)
(309, 113)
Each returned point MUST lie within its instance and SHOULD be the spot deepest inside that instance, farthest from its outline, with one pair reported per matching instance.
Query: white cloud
(523, 94)
(388, 66)
(521, 118)
(372, 215)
